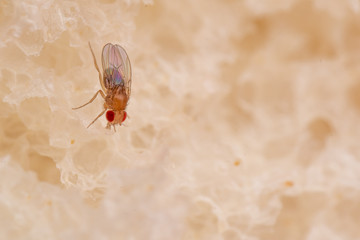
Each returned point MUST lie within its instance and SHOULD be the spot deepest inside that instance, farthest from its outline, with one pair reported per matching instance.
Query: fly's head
(115, 117)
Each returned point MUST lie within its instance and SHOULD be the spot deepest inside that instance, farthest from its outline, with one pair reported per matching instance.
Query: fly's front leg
(97, 118)
(108, 126)
(91, 100)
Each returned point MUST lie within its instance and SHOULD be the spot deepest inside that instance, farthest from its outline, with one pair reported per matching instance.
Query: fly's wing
(125, 69)
(117, 68)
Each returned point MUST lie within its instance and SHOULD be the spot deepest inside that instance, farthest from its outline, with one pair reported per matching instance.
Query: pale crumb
(244, 120)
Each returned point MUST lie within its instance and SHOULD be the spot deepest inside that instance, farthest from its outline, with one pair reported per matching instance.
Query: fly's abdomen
(113, 78)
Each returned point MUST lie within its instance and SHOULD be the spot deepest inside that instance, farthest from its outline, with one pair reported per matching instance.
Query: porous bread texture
(243, 121)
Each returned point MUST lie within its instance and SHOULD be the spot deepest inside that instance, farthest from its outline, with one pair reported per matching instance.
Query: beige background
(244, 121)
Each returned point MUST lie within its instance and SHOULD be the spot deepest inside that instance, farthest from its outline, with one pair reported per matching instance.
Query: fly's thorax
(120, 101)
(116, 99)
(108, 101)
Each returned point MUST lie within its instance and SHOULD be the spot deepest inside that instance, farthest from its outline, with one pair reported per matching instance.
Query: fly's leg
(108, 126)
(97, 118)
(91, 100)
(96, 66)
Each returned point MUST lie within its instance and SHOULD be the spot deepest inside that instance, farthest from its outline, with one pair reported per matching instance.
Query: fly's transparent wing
(116, 67)
(125, 69)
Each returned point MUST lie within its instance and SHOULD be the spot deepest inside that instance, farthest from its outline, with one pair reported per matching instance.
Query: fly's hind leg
(91, 100)
(96, 66)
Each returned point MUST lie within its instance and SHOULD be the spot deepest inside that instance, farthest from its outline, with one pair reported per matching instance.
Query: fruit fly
(115, 82)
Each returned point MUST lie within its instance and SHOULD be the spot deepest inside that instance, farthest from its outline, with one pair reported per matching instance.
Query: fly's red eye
(124, 116)
(110, 115)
